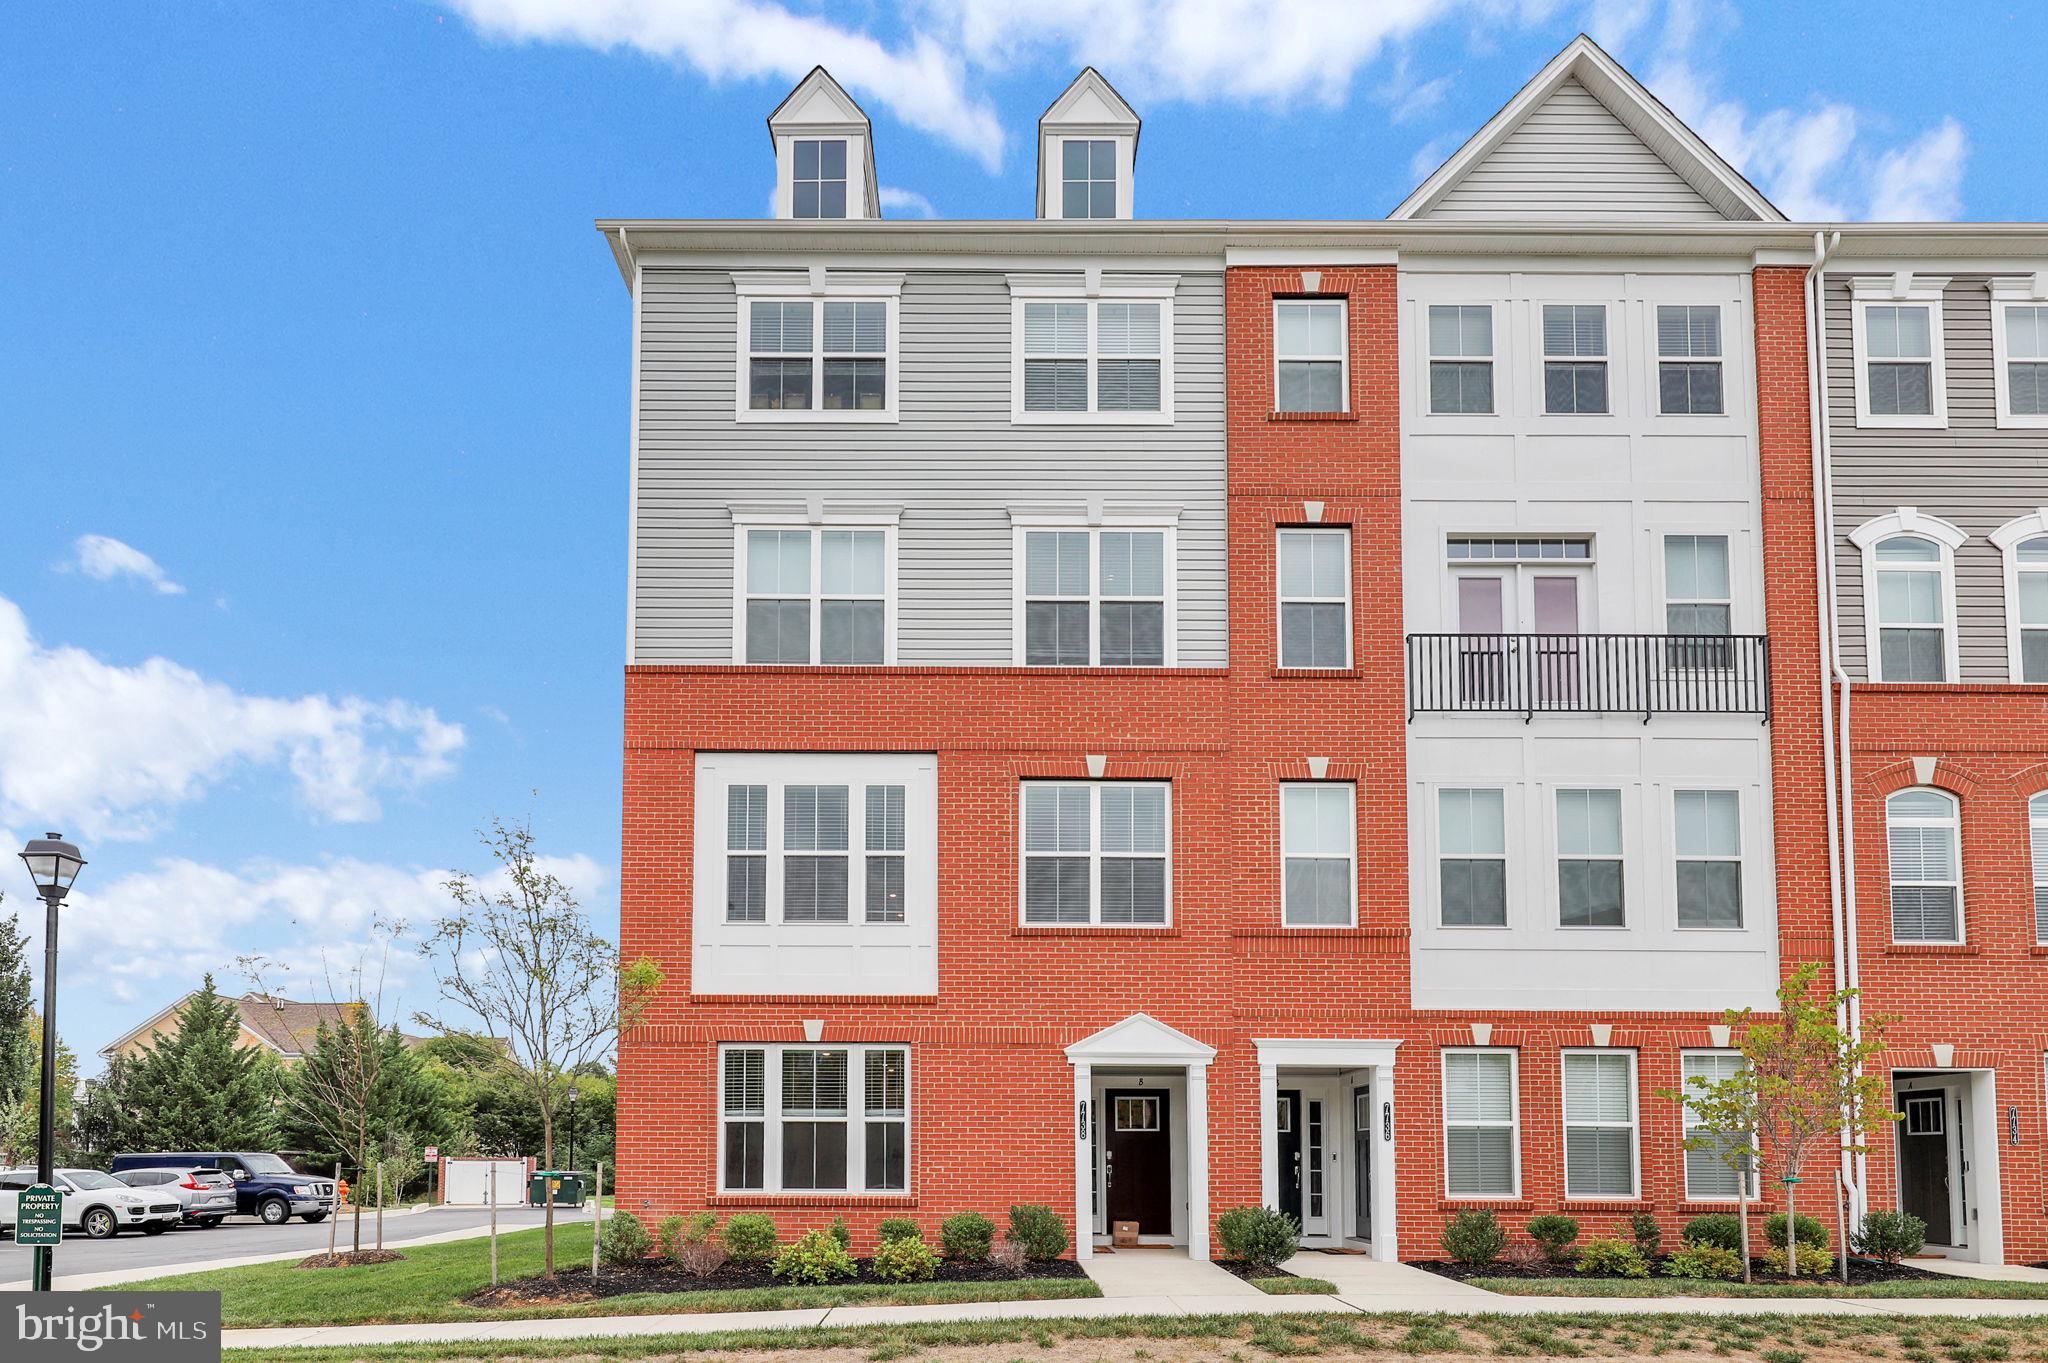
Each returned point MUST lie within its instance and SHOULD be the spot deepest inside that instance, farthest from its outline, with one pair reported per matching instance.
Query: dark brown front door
(1923, 1161)
(1137, 1157)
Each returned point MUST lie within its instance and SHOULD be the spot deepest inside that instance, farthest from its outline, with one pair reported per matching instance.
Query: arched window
(1926, 866)
(2037, 828)
(1909, 596)
(2024, 544)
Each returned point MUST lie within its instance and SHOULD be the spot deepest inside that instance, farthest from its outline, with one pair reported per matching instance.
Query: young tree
(519, 957)
(1724, 1124)
(18, 1055)
(199, 1089)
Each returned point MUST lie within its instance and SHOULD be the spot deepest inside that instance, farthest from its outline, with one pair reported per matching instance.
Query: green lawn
(430, 1282)
(1294, 1287)
(1696, 1287)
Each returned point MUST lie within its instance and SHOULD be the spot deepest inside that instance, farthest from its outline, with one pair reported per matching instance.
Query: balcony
(1589, 674)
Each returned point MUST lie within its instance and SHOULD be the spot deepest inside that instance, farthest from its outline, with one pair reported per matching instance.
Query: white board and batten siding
(954, 461)
(467, 1182)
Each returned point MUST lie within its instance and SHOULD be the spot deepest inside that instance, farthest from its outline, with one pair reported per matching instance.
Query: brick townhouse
(1152, 716)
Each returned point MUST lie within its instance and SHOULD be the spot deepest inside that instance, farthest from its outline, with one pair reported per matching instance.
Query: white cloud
(1923, 181)
(906, 203)
(103, 558)
(107, 750)
(1430, 155)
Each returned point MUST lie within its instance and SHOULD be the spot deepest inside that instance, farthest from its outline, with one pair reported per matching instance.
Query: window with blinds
(1481, 1155)
(828, 358)
(814, 854)
(2029, 606)
(815, 595)
(1912, 610)
(885, 854)
(1689, 360)
(809, 1118)
(2037, 831)
(744, 1109)
(779, 367)
(1472, 858)
(1127, 357)
(1600, 1124)
(1315, 598)
(1707, 836)
(1311, 357)
(2026, 359)
(888, 1120)
(1056, 357)
(1102, 356)
(855, 355)
(1461, 359)
(1094, 598)
(1318, 852)
(1575, 358)
(1697, 600)
(791, 849)
(1898, 350)
(746, 858)
(1711, 1158)
(1921, 839)
(1096, 852)
(1589, 859)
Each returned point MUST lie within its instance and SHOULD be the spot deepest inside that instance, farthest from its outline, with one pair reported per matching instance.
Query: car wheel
(209, 1222)
(275, 1211)
(156, 1228)
(315, 1216)
(100, 1224)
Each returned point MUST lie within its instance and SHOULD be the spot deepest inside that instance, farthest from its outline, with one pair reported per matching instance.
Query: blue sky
(314, 373)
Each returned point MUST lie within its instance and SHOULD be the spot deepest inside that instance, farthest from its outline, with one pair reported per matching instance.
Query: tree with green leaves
(199, 1089)
(518, 957)
(19, 1058)
(1804, 1077)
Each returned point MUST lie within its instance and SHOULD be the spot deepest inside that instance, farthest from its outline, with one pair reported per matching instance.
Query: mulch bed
(1861, 1271)
(1238, 1268)
(659, 1275)
(351, 1258)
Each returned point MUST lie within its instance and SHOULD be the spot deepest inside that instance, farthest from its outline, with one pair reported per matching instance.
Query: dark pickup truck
(266, 1187)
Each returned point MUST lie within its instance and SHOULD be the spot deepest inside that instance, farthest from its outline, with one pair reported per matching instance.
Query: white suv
(96, 1203)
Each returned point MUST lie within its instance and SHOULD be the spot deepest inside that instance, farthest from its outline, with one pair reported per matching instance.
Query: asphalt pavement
(132, 1253)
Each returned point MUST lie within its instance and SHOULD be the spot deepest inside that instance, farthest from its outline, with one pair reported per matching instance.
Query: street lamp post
(52, 864)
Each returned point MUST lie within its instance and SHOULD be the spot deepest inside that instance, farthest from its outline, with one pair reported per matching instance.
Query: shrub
(668, 1238)
(1554, 1233)
(623, 1240)
(1474, 1237)
(1810, 1231)
(1525, 1255)
(1722, 1230)
(898, 1228)
(1814, 1262)
(905, 1259)
(1889, 1236)
(1009, 1256)
(700, 1258)
(1698, 1259)
(813, 1257)
(1039, 1230)
(1260, 1236)
(750, 1237)
(838, 1231)
(966, 1235)
(1612, 1257)
(1648, 1235)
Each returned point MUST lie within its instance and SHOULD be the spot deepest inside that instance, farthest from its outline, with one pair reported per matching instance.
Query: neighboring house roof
(1531, 158)
(284, 1026)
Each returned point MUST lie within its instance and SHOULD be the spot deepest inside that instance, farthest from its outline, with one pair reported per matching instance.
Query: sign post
(39, 1221)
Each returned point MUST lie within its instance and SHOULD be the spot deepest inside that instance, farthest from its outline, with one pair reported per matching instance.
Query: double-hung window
(1912, 610)
(1315, 598)
(805, 357)
(1707, 836)
(1599, 1124)
(2037, 843)
(1472, 858)
(1689, 360)
(1318, 852)
(814, 1118)
(818, 179)
(1095, 597)
(1589, 867)
(1575, 358)
(1310, 356)
(884, 841)
(1097, 852)
(1711, 1158)
(790, 853)
(1461, 359)
(2019, 340)
(1481, 1155)
(1102, 359)
(2027, 601)
(1087, 178)
(1698, 607)
(746, 854)
(1921, 842)
(814, 595)
(1897, 340)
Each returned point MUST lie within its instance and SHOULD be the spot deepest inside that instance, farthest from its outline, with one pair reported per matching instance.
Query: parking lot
(242, 1238)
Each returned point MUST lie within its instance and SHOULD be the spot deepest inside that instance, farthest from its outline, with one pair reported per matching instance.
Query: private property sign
(39, 1218)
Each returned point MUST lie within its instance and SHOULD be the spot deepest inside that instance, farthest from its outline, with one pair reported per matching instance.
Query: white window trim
(817, 286)
(1343, 350)
(1514, 1127)
(1095, 852)
(1092, 288)
(1909, 520)
(2029, 290)
(914, 854)
(1281, 601)
(1629, 909)
(1685, 1124)
(1658, 359)
(2037, 829)
(1738, 585)
(1954, 824)
(1165, 520)
(1741, 857)
(1350, 857)
(1054, 158)
(856, 1118)
(1635, 1124)
(1492, 358)
(1884, 290)
(1509, 809)
(882, 519)
(1607, 358)
(2008, 538)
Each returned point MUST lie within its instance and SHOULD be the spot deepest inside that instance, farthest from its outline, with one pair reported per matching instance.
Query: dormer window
(1087, 147)
(818, 183)
(1088, 178)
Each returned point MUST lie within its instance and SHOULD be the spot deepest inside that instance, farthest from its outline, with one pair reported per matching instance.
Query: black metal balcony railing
(1532, 674)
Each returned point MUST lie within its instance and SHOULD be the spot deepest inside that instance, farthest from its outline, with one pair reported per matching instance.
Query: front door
(1361, 1163)
(1924, 1171)
(1287, 1152)
(1137, 1160)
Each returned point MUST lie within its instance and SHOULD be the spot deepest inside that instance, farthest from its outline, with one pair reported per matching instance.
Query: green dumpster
(568, 1188)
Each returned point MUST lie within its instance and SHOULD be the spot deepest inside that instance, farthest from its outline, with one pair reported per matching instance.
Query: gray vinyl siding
(1973, 475)
(954, 461)
(1571, 157)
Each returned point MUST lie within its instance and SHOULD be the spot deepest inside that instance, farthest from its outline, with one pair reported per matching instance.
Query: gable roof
(1141, 1039)
(1088, 104)
(1584, 138)
(285, 1026)
(817, 98)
